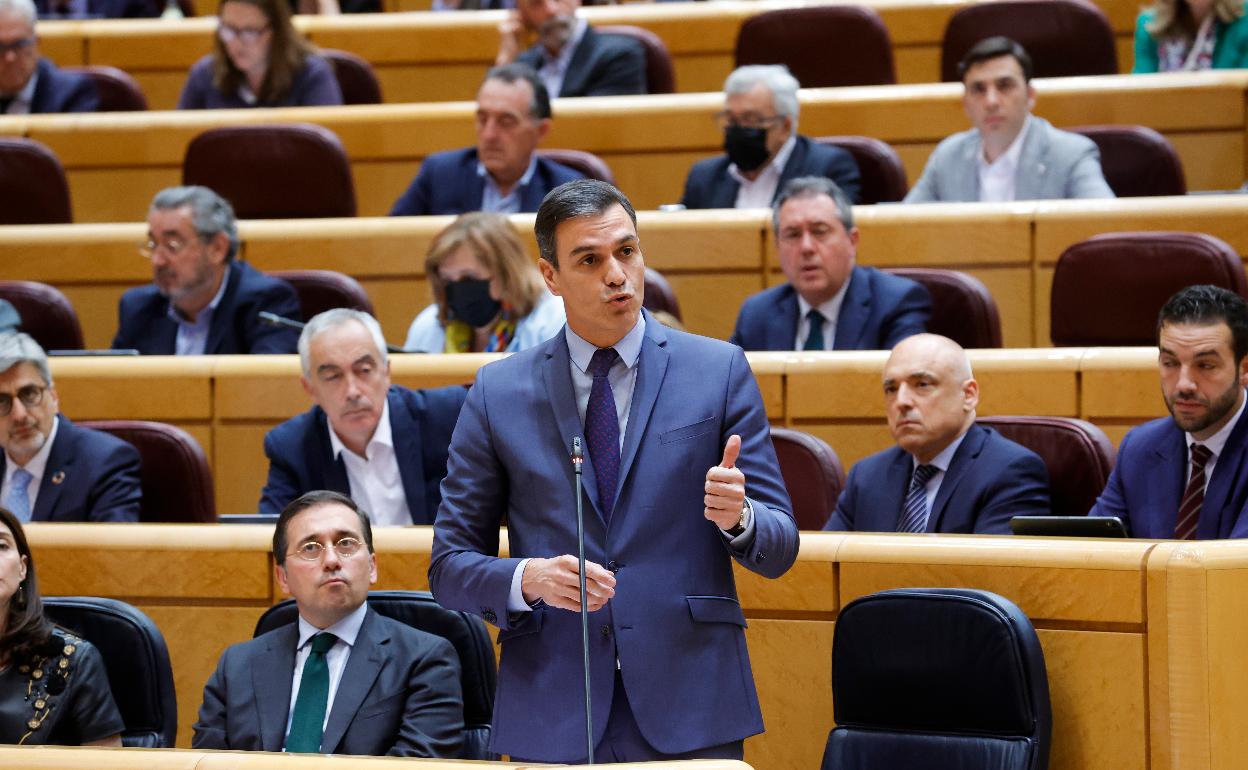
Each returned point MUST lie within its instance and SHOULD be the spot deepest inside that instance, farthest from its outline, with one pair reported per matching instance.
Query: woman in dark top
(53, 687)
(259, 59)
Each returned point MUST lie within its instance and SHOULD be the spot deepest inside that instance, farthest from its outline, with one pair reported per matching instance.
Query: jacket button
(613, 566)
(606, 630)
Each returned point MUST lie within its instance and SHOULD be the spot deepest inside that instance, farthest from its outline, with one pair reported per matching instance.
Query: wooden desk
(116, 162)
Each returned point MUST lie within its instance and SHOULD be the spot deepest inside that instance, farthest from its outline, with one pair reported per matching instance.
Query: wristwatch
(739, 529)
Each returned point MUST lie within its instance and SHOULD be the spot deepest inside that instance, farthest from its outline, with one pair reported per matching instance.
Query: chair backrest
(879, 166)
(962, 307)
(938, 678)
(33, 189)
(137, 660)
(47, 314)
(1137, 161)
(822, 45)
(118, 91)
(1108, 289)
(660, 74)
(296, 170)
(1078, 455)
(466, 633)
(812, 473)
(659, 294)
(589, 164)
(1063, 37)
(321, 290)
(356, 78)
(176, 479)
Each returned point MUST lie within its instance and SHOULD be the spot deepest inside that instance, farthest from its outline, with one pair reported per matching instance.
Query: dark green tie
(814, 337)
(308, 720)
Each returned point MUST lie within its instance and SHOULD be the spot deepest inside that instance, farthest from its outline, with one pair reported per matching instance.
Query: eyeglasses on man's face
(30, 395)
(726, 120)
(229, 33)
(17, 46)
(312, 550)
(171, 247)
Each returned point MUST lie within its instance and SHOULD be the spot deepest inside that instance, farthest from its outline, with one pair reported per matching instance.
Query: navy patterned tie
(602, 429)
(814, 337)
(914, 514)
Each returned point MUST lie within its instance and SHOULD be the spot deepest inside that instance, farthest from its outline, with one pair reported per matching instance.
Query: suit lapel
(558, 380)
(223, 315)
(782, 323)
(363, 666)
(1166, 481)
(1216, 519)
(272, 678)
(855, 312)
(651, 369)
(532, 193)
(60, 466)
(575, 77)
(335, 470)
(965, 174)
(795, 165)
(968, 450)
(1032, 171)
(407, 452)
(892, 495)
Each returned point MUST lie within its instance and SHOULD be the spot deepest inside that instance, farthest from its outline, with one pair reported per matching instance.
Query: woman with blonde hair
(488, 295)
(1188, 35)
(259, 59)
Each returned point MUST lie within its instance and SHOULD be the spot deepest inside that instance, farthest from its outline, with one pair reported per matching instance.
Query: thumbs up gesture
(725, 488)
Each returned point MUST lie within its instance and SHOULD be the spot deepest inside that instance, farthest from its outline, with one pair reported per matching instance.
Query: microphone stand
(273, 319)
(578, 457)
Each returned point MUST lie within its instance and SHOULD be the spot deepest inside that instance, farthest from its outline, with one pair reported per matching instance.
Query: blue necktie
(602, 429)
(914, 514)
(814, 337)
(18, 501)
(308, 719)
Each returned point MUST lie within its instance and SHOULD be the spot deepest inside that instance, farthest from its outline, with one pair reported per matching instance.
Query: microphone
(578, 457)
(273, 319)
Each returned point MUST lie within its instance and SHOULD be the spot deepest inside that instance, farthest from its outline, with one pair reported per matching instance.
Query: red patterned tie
(1193, 496)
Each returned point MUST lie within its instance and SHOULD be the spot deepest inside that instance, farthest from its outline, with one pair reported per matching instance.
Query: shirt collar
(1011, 154)
(565, 53)
(942, 460)
(346, 629)
(830, 310)
(776, 165)
(628, 348)
(381, 435)
(525, 178)
(1217, 441)
(39, 462)
(176, 316)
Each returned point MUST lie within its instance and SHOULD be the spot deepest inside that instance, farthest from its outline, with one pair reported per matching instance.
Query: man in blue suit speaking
(1183, 476)
(680, 481)
(829, 303)
(946, 473)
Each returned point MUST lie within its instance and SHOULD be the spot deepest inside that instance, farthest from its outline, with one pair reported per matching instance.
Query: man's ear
(970, 395)
(280, 573)
(550, 274)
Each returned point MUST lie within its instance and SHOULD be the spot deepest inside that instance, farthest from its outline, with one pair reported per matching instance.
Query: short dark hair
(809, 187)
(311, 500)
(578, 198)
(991, 48)
(26, 630)
(1204, 305)
(539, 107)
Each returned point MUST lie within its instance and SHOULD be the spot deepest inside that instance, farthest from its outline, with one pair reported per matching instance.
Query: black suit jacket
(301, 457)
(90, 476)
(990, 480)
(601, 65)
(57, 91)
(709, 186)
(399, 695)
(109, 9)
(144, 322)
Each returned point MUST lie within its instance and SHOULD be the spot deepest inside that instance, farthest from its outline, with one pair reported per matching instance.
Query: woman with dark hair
(53, 686)
(1188, 35)
(259, 59)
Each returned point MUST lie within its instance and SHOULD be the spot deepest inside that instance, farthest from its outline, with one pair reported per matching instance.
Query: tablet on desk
(1068, 526)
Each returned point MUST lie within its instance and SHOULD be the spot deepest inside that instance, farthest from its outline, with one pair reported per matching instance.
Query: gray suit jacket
(1053, 164)
(399, 695)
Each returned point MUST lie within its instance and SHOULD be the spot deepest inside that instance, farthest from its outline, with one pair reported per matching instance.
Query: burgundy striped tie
(1193, 496)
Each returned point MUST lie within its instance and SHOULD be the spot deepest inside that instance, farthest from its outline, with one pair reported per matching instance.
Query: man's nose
(615, 275)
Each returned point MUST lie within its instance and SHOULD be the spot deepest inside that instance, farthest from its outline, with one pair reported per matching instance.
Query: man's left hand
(725, 488)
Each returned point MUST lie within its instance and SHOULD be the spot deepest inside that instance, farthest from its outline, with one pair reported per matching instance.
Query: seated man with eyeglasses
(53, 470)
(30, 83)
(829, 302)
(202, 300)
(342, 679)
(764, 150)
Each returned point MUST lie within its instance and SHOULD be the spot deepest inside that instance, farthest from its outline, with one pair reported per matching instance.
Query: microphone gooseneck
(578, 458)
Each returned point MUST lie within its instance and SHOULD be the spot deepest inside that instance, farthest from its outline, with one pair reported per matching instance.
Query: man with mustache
(382, 444)
(571, 58)
(202, 300)
(946, 473)
(1182, 476)
(53, 470)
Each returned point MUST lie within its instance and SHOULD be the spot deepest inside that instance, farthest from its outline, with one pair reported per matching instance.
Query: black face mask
(469, 301)
(747, 147)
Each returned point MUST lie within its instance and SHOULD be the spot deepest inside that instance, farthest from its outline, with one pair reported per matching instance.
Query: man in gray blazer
(1010, 154)
(387, 688)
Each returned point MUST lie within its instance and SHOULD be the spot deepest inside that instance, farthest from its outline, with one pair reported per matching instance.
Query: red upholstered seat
(659, 294)
(321, 290)
(822, 45)
(587, 163)
(47, 314)
(962, 307)
(176, 479)
(355, 76)
(879, 166)
(1063, 37)
(812, 474)
(33, 190)
(1137, 161)
(118, 91)
(660, 74)
(1078, 455)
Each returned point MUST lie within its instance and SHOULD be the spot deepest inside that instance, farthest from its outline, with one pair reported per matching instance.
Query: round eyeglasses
(30, 395)
(313, 551)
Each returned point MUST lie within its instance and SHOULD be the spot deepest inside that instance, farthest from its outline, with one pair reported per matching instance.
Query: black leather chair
(937, 678)
(812, 473)
(137, 661)
(465, 632)
(176, 478)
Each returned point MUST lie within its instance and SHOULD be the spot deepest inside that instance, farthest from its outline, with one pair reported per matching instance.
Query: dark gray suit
(399, 695)
(601, 65)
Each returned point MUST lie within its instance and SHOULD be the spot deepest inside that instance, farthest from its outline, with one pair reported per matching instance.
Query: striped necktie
(1193, 496)
(914, 513)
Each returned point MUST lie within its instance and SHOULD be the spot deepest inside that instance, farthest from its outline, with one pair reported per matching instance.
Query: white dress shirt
(346, 630)
(998, 180)
(376, 485)
(757, 193)
(830, 310)
(493, 200)
(1215, 444)
(37, 465)
(192, 339)
(941, 462)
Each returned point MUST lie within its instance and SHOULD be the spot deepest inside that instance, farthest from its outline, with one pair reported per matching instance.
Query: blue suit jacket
(1149, 476)
(601, 65)
(709, 186)
(399, 695)
(448, 183)
(57, 91)
(301, 456)
(144, 322)
(879, 310)
(109, 9)
(90, 476)
(675, 623)
(990, 480)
